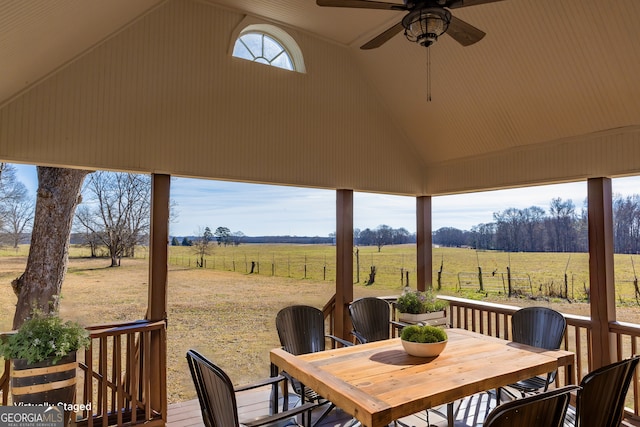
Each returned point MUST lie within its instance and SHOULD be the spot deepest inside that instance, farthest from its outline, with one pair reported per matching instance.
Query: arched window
(267, 44)
(262, 48)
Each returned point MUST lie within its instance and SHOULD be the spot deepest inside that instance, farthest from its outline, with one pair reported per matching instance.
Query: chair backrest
(215, 392)
(544, 409)
(600, 403)
(539, 327)
(301, 329)
(370, 317)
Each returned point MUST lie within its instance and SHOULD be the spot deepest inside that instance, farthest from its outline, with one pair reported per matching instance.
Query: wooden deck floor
(470, 412)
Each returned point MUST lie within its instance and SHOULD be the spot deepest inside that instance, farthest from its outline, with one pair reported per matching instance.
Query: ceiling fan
(425, 21)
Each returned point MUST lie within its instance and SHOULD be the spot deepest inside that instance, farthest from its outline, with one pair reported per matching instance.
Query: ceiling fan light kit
(424, 26)
(425, 21)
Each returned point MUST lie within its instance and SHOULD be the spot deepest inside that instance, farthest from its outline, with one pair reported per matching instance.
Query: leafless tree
(236, 238)
(88, 236)
(18, 217)
(202, 244)
(562, 218)
(117, 213)
(56, 200)
(16, 207)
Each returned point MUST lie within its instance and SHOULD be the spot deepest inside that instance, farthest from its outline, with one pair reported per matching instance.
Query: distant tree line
(115, 209)
(562, 229)
(382, 236)
(238, 237)
(223, 236)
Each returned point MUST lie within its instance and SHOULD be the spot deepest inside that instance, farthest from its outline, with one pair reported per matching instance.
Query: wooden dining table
(379, 382)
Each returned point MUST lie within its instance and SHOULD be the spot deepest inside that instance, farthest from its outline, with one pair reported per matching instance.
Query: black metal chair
(371, 319)
(301, 331)
(600, 401)
(217, 397)
(546, 409)
(538, 327)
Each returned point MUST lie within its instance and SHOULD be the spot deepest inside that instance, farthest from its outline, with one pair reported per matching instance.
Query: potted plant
(43, 353)
(421, 307)
(423, 340)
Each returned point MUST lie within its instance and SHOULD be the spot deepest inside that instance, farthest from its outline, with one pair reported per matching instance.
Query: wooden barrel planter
(45, 383)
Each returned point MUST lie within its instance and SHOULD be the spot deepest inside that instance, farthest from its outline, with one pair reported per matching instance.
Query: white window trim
(252, 25)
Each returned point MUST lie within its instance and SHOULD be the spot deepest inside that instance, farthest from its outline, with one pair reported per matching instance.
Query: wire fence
(395, 272)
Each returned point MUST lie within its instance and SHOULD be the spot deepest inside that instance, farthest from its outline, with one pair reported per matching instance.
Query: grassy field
(531, 273)
(229, 315)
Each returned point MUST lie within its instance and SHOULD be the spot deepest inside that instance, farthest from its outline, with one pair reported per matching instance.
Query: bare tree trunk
(40, 284)
(114, 259)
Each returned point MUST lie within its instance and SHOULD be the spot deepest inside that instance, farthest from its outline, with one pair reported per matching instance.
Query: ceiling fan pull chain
(428, 74)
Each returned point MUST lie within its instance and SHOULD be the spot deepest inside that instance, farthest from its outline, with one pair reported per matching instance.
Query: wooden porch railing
(4, 383)
(5, 378)
(114, 384)
(116, 373)
(329, 311)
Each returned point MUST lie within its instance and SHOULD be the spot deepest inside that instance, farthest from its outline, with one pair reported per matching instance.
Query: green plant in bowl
(423, 341)
(423, 334)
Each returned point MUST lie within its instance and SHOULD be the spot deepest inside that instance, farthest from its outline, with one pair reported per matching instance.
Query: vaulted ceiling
(550, 94)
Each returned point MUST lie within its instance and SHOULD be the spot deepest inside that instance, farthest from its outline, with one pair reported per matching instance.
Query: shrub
(423, 334)
(417, 302)
(42, 337)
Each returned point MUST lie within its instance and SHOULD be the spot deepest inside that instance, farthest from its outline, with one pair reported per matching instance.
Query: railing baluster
(578, 341)
(634, 351)
(103, 370)
(88, 384)
(473, 320)
(121, 389)
(4, 383)
(133, 375)
(145, 354)
(466, 318)
(117, 371)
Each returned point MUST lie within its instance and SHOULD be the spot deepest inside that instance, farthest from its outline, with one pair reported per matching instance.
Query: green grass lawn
(229, 315)
(538, 274)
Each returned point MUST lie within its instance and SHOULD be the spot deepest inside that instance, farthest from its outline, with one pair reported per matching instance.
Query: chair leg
(324, 414)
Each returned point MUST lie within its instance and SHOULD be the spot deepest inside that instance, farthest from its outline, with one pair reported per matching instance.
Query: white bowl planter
(423, 349)
(435, 318)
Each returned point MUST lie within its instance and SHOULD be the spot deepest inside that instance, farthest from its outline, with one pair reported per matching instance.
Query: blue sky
(259, 210)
